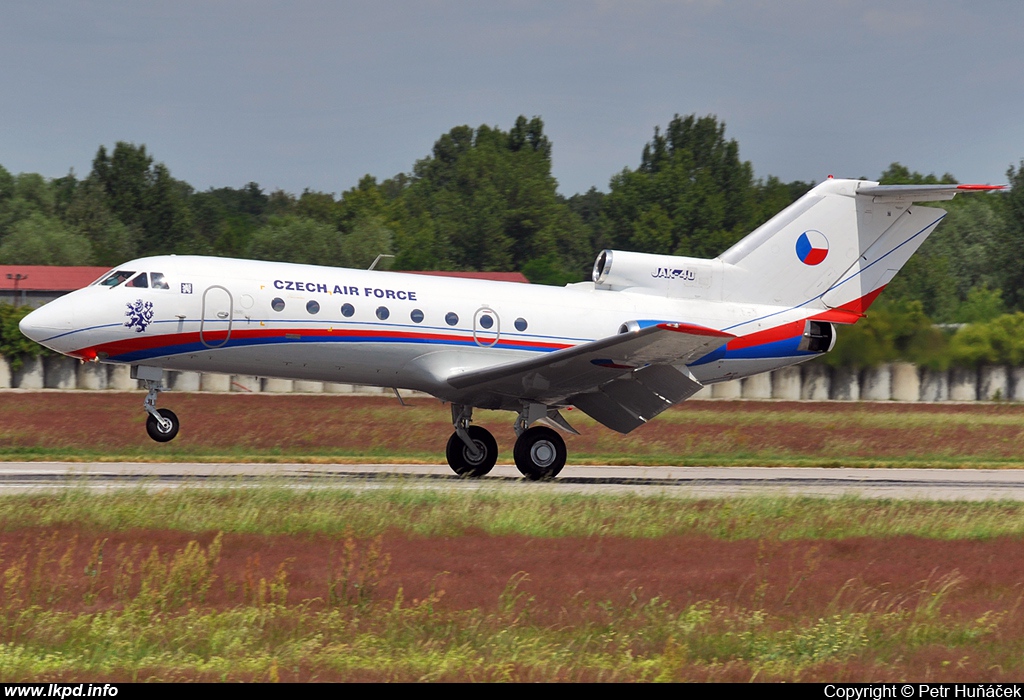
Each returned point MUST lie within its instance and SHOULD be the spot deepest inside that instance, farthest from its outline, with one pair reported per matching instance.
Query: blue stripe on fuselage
(787, 347)
(186, 348)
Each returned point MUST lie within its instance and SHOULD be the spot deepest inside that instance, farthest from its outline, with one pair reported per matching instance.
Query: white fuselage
(377, 328)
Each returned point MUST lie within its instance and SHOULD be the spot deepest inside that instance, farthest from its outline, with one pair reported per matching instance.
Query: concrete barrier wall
(786, 383)
(845, 385)
(899, 381)
(815, 382)
(876, 383)
(905, 382)
(30, 374)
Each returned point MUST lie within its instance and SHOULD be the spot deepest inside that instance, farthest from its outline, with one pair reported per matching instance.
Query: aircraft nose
(47, 320)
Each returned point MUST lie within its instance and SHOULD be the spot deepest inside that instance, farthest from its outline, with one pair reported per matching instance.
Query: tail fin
(836, 247)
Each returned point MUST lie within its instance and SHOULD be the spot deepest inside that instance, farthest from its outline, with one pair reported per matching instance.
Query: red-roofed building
(35, 285)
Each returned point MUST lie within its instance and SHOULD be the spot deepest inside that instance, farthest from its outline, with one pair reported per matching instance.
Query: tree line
(485, 199)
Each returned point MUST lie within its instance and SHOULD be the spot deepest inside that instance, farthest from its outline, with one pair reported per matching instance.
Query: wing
(621, 381)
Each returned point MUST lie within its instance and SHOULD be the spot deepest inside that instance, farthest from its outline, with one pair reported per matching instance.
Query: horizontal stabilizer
(553, 377)
(921, 193)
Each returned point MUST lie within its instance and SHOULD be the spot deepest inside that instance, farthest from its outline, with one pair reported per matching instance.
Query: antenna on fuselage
(377, 260)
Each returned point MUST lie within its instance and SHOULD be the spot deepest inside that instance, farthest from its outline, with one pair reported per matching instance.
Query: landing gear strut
(162, 425)
(472, 450)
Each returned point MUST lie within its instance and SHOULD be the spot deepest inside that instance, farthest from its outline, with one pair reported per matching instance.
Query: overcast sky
(317, 93)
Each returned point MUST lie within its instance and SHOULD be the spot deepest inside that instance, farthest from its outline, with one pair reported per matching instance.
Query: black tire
(158, 433)
(459, 458)
(539, 453)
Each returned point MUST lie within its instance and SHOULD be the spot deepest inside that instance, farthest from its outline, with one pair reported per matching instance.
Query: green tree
(298, 240)
(999, 341)
(485, 199)
(13, 344)
(87, 213)
(146, 199)
(1011, 242)
(368, 239)
(898, 174)
(891, 331)
(694, 176)
(42, 240)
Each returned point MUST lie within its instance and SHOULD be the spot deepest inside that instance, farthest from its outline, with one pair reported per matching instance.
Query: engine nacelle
(669, 275)
(819, 336)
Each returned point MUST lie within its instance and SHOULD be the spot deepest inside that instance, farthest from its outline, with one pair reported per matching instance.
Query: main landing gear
(539, 452)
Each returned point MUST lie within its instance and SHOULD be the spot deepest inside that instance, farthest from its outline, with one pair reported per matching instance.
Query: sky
(316, 93)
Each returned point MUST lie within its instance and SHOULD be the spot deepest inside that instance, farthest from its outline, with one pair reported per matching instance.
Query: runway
(681, 482)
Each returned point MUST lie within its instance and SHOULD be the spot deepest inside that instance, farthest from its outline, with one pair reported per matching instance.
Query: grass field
(330, 428)
(399, 583)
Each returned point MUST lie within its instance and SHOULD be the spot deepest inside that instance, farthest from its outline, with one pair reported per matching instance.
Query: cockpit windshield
(141, 280)
(117, 277)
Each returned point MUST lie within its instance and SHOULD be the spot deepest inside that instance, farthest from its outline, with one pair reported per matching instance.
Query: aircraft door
(218, 309)
(486, 327)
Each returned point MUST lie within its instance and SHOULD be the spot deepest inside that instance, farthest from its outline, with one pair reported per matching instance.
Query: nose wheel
(539, 453)
(162, 425)
(165, 430)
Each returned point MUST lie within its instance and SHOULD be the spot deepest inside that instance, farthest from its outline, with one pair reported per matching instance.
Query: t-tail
(833, 250)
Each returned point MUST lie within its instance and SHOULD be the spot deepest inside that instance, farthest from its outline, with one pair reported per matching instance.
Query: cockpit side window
(140, 281)
(117, 277)
(157, 281)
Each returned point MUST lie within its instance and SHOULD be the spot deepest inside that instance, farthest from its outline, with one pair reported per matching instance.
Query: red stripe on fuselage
(848, 313)
(120, 347)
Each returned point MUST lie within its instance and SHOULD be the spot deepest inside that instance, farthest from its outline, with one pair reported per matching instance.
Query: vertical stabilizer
(836, 247)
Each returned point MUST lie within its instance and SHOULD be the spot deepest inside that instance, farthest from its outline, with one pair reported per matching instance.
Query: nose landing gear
(161, 425)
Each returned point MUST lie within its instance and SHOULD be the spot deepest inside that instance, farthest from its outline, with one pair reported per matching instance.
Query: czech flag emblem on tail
(811, 247)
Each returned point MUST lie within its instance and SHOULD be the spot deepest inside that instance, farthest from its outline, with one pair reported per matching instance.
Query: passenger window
(157, 281)
(347, 310)
(521, 324)
(117, 278)
(416, 316)
(383, 313)
(451, 318)
(277, 304)
(486, 321)
(140, 281)
(312, 307)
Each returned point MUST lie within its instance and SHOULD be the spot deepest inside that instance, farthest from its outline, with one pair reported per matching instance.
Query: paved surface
(686, 482)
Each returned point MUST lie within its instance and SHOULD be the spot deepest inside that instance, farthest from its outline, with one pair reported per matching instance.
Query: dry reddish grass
(269, 426)
(785, 578)
(794, 582)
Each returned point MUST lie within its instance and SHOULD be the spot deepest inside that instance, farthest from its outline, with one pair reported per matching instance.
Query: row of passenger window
(486, 321)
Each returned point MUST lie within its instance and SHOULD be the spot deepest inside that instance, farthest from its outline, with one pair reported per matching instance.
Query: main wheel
(460, 459)
(539, 453)
(157, 432)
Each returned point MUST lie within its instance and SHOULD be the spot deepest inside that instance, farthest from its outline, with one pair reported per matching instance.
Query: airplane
(647, 332)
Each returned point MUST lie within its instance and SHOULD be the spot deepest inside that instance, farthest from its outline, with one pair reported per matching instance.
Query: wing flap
(627, 403)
